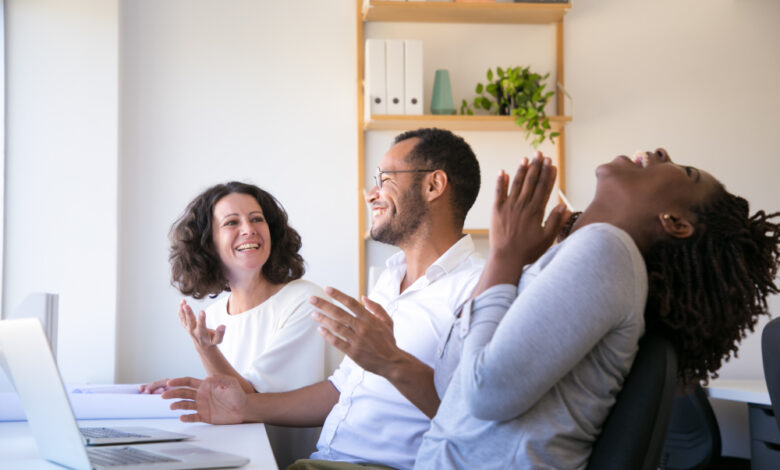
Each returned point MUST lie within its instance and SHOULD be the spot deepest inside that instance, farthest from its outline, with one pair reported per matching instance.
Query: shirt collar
(451, 259)
(448, 261)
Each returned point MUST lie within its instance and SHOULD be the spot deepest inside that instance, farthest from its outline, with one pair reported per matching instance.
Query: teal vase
(441, 102)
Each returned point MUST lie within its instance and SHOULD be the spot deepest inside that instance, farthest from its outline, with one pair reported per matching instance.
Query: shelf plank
(445, 12)
(477, 232)
(453, 122)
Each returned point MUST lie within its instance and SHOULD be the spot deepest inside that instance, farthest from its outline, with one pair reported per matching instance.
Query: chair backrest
(693, 438)
(770, 350)
(633, 433)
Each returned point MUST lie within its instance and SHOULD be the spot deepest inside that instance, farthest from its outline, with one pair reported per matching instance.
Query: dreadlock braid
(707, 290)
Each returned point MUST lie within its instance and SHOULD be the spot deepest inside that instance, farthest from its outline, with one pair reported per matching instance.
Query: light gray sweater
(540, 364)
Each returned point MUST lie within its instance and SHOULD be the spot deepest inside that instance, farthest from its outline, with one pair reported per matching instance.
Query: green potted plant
(518, 92)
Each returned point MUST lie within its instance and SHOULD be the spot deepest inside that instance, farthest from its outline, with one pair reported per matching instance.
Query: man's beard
(398, 227)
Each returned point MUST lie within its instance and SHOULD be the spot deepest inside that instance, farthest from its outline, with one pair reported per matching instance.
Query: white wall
(259, 91)
(61, 172)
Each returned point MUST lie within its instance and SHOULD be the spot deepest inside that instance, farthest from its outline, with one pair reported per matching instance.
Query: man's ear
(676, 226)
(434, 185)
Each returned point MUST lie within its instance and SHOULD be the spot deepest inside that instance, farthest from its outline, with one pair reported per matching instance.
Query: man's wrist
(399, 368)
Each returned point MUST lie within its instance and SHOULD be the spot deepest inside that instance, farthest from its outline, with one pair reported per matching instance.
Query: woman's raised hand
(202, 336)
(517, 234)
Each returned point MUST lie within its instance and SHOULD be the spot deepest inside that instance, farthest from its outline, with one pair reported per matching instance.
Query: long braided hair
(708, 290)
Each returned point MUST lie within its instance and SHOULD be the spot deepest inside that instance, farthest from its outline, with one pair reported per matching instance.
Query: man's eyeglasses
(379, 173)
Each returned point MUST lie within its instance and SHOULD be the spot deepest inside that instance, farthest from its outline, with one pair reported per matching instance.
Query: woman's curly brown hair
(708, 290)
(196, 269)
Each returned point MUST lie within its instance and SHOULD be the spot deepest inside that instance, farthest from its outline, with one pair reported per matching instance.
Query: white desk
(764, 432)
(19, 452)
(745, 391)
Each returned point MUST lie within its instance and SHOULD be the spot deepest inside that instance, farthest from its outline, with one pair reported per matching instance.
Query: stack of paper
(100, 402)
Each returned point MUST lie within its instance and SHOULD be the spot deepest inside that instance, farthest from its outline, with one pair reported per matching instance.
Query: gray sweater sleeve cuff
(491, 305)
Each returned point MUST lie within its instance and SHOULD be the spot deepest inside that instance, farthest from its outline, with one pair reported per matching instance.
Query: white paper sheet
(114, 401)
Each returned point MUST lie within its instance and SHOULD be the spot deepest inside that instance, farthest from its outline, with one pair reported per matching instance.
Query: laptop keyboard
(114, 456)
(107, 432)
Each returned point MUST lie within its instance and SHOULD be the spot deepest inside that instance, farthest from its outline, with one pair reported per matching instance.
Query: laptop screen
(30, 365)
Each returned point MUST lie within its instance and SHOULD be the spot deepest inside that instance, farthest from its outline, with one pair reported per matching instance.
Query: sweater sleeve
(584, 291)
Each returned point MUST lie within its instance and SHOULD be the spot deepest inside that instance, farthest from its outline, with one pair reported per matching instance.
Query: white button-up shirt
(372, 421)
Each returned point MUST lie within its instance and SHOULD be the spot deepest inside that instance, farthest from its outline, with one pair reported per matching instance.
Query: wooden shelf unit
(402, 122)
(449, 12)
(445, 12)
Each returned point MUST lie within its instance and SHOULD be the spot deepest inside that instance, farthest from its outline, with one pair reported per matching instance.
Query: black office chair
(693, 438)
(633, 434)
(770, 350)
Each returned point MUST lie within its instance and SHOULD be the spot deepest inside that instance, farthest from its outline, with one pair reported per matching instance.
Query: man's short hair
(440, 149)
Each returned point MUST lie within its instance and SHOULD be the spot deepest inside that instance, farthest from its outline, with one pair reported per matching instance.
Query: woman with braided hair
(532, 365)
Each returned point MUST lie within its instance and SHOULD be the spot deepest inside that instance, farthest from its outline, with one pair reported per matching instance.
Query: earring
(667, 216)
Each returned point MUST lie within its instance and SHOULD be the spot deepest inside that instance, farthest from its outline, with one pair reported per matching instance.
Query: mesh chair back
(633, 434)
(693, 439)
(770, 349)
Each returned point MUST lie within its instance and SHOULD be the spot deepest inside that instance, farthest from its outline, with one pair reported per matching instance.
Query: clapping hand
(216, 400)
(517, 234)
(202, 336)
(365, 335)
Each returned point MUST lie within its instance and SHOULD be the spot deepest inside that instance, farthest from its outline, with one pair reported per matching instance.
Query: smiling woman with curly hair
(196, 268)
(235, 237)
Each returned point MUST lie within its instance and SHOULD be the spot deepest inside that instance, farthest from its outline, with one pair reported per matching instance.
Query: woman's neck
(249, 293)
(594, 213)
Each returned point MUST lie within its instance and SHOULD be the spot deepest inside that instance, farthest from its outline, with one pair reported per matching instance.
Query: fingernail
(547, 161)
(316, 315)
(329, 290)
(314, 300)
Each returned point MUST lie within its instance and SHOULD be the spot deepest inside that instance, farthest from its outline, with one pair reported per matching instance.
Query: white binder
(375, 95)
(394, 49)
(413, 74)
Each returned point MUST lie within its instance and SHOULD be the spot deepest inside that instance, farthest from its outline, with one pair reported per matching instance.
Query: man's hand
(202, 336)
(366, 336)
(216, 400)
(517, 235)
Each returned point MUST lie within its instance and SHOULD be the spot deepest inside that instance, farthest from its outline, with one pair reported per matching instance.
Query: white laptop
(27, 359)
